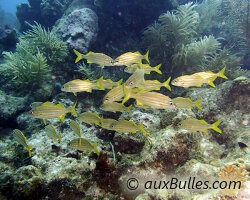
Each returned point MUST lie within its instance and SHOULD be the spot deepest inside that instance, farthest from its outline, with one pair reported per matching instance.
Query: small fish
(149, 85)
(116, 94)
(97, 58)
(89, 118)
(21, 139)
(181, 102)
(76, 128)
(209, 74)
(52, 133)
(49, 110)
(193, 125)
(78, 85)
(149, 99)
(187, 81)
(83, 144)
(243, 147)
(115, 107)
(130, 58)
(147, 68)
(102, 84)
(125, 126)
(107, 123)
(135, 79)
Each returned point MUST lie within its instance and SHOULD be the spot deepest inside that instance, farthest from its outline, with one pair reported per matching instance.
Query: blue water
(10, 5)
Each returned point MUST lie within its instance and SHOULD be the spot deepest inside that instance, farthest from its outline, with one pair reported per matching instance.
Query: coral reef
(79, 29)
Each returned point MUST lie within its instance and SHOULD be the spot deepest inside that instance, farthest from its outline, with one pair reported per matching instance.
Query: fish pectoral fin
(62, 118)
(75, 93)
(44, 121)
(204, 130)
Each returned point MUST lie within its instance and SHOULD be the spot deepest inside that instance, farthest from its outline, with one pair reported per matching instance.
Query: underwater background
(122, 99)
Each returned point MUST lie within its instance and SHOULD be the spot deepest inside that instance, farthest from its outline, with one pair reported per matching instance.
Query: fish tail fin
(119, 82)
(157, 69)
(215, 126)
(198, 104)
(166, 84)
(129, 110)
(127, 93)
(79, 56)
(145, 133)
(29, 150)
(211, 81)
(62, 118)
(73, 109)
(146, 56)
(99, 83)
(95, 149)
(221, 73)
(101, 120)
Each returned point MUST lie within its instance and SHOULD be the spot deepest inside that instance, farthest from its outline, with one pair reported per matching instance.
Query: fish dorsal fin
(89, 53)
(203, 121)
(60, 105)
(209, 71)
(138, 52)
(47, 103)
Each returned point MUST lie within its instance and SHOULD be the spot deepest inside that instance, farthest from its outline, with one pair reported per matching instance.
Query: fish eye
(131, 83)
(171, 103)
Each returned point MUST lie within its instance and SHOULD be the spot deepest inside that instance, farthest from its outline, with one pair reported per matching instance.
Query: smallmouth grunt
(187, 81)
(130, 58)
(49, 110)
(83, 144)
(147, 68)
(135, 79)
(193, 125)
(21, 139)
(149, 85)
(181, 102)
(149, 99)
(116, 94)
(102, 84)
(115, 107)
(97, 58)
(209, 74)
(78, 85)
(89, 118)
(52, 133)
(106, 123)
(125, 126)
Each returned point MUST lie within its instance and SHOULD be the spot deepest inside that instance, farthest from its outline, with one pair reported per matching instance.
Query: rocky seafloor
(64, 173)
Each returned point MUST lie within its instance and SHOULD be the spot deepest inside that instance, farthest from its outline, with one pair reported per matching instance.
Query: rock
(79, 29)
(10, 107)
(8, 38)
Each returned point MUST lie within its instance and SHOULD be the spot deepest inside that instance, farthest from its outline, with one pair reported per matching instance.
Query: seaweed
(38, 52)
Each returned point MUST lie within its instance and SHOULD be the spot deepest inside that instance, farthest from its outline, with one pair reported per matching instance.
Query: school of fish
(135, 87)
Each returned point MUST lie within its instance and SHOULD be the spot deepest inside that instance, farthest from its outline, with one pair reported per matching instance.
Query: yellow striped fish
(102, 84)
(49, 110)
(21, 139)
(76, 128)
(130, 58)
(193, 125)
(83, 144)
(89, 118)
(147, 68)
(97, 58)
(115, 107)
(107, 123)
(52, 133)
(181, 102)
(135, 79)
(149, 85)
(77, 85)
(116, 94)
(149, 99)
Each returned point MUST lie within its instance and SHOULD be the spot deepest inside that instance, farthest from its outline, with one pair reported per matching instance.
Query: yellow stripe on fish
(102, 84)
(147, 68)
(181, 102)
(21, 139)
(115, 107)
(76, 128)
(77, 85)
(116, 94)
(209, 74)
(149, 85)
